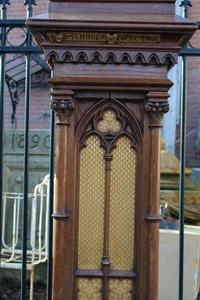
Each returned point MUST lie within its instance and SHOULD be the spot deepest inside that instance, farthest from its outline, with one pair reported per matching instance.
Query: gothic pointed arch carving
(109, 120)
(111, 57)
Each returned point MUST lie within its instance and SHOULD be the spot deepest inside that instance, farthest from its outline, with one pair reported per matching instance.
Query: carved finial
(30, 2)
(186, 4)
(4, 2)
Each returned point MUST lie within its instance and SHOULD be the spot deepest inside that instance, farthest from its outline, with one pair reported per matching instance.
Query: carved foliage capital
(156, 105)
(63, 104)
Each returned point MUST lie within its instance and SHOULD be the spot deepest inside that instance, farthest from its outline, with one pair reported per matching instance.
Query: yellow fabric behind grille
(89, 289)
(122, 207)
(120, 289)
(91, 207)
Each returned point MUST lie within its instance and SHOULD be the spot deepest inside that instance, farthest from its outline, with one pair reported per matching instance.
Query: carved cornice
(103, 56)
(107, 38)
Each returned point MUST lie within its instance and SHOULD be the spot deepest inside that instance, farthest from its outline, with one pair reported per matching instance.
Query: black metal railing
(27, 48)
(188, 51)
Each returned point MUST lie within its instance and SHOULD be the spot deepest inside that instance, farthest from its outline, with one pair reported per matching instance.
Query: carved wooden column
(156, 105)
(63, 104)
(109, 90)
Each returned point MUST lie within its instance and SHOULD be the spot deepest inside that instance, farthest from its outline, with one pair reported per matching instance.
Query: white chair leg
(32, 283)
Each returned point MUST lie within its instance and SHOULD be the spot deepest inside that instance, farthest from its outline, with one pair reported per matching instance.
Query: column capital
(156, 105)
(63, 104)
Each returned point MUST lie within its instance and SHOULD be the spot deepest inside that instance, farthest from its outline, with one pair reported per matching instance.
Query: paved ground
(10, 290)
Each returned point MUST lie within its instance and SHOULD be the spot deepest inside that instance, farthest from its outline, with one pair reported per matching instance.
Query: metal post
(3, 15)
(186, 4)
(29, 4)
(182, 177)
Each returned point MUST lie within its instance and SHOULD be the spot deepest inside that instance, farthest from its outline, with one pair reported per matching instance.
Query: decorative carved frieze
(101, 37)
(111, 57)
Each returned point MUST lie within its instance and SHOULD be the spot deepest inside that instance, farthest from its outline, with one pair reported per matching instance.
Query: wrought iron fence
(27, 49)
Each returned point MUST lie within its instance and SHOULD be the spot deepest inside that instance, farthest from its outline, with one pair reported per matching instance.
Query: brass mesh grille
(109, 122)
(89, 289)
(91, 208)
(122, 206)
(120, 289)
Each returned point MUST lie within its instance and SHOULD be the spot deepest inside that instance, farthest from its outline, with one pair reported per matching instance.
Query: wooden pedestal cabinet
(109, 92)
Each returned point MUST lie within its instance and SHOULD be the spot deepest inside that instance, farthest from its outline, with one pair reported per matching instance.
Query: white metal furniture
(37, 229)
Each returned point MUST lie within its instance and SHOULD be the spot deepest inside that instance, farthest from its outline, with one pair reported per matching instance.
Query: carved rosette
(63, 104)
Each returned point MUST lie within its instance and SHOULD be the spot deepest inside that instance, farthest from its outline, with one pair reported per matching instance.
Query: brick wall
(193, 106)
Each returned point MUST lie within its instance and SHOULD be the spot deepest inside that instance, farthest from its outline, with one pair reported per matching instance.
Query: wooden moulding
(123, 1)
(134, 84)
